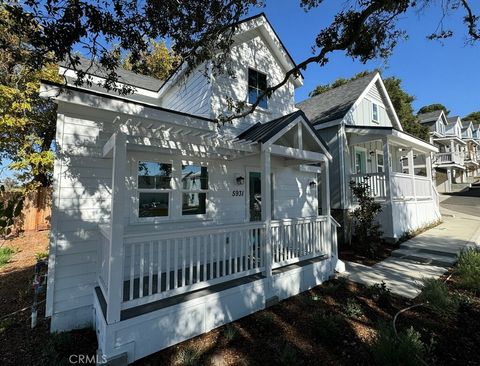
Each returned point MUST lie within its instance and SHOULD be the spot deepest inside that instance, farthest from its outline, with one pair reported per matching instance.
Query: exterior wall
(191, 95)
(253, 53)
(413, 215)
(361, 115)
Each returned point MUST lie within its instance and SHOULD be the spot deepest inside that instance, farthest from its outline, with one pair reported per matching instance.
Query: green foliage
(435, 294)
(402, 103)
(11, 205)
(289, 356)
(474, 117)
(432, 108)
(188, 356)
(367, 231)
(339, 82)
(327, 326)
(5, 255)
(380, 293)
(353, 309)
(406, 350)
(229, 332)
(468, 267)
(157, 61)
(41, 255)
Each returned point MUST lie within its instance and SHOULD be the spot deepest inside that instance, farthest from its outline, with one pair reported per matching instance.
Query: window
(194, 189)
(380, 163)
(375, 112)
(257, 84)
(154, 185)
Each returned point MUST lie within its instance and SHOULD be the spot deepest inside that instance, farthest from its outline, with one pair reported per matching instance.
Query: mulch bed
(290, 333)
(346, 253)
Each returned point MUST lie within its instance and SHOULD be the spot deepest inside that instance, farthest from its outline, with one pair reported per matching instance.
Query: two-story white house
(471, 150)
(166, 225)
(366, 139)
(449, 163)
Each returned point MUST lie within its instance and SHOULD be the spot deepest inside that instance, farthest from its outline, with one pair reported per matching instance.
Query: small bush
(469, 270)
(435, 293)
(188, 356)
(353, 309)
(230, 333)
(41, 255)
(408, 349)
(5, 255)
(380, 293)
(327, 326)
(289, 357)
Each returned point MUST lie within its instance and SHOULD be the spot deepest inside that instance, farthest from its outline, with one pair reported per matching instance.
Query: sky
(433, 72)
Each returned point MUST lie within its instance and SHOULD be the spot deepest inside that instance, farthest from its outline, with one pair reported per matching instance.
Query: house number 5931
(237, 193)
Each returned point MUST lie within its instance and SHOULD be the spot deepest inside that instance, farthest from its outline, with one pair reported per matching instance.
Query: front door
(360, 162)
(255, 196)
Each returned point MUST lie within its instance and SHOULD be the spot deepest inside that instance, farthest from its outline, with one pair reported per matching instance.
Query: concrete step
(426, 257)
(414, 247)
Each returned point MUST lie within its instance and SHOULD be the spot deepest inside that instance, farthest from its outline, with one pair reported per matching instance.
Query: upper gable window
(257, 84)
(375, 112)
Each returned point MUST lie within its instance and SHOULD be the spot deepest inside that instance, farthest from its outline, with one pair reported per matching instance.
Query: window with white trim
(194, 189)
(375, 112)
(257, 84)
(154, 183)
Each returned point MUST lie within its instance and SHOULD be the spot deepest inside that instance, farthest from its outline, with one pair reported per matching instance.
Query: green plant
(469, 270)
(327, 326)
(353, 309)
(188, 356)
(5, 255)
(230, 332)
(367, 231)
(289, 356)
(41, 255)
(435, 294)
(11, 205)
(266, 317)
(380, 293)
(407, 349)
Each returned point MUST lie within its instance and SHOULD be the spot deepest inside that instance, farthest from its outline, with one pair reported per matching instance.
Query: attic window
(257, 84)
(375, 112)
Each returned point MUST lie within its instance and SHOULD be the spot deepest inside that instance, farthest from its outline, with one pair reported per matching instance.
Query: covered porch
(398, 170)
(148, 266)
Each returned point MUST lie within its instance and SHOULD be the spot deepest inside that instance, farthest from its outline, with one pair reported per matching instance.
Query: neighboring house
(448, 163)
(367, 143)
(472, 162)
(166, 225)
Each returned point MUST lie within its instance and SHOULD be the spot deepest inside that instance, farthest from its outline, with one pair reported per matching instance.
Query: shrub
(353, 309)
(435, 293)
(327, 326)
(289, 356)
(380, 293)
(367, 231)
(188, 356)
(408, 349)
(469, 270)
(5, 255)
(230, 332)
(41, 255)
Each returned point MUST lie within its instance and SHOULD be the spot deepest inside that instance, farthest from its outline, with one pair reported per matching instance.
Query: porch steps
(426, 256)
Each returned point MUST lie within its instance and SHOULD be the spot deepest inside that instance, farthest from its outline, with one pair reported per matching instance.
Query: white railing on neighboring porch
(294, 240)
(376, 182)
(449, 157)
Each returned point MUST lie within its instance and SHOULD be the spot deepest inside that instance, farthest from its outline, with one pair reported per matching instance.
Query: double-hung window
(154, 182)
(375, 112)
(257, 84)
(194, 189)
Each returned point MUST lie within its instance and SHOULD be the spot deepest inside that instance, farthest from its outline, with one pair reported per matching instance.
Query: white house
(166, 225)
(471, 150)
(367, 142)
(449, 163)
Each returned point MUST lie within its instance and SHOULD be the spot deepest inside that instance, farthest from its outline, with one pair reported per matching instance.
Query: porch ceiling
(361, 134)
(446, 140)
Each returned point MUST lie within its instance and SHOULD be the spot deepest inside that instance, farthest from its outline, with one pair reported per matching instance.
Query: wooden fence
(37, 210)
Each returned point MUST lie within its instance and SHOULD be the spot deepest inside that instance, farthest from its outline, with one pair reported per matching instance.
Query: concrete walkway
(427, 255)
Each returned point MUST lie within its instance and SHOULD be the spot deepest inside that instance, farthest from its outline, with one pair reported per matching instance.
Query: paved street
(462, 202)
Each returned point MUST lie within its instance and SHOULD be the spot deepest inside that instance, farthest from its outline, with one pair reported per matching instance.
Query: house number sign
(237, 193)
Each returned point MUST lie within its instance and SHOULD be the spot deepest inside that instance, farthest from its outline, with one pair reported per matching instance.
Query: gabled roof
(263, 132)
(453, 119)
(335, 103)
(124, 76)
(429, 116)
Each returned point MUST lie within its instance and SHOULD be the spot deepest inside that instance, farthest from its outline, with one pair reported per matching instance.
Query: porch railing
(376, 181)
(449, 157)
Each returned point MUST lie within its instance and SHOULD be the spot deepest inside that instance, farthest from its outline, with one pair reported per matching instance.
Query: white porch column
(116, 255)
(388, 183)
(265, 159)
(332, 245)
(411, 171)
